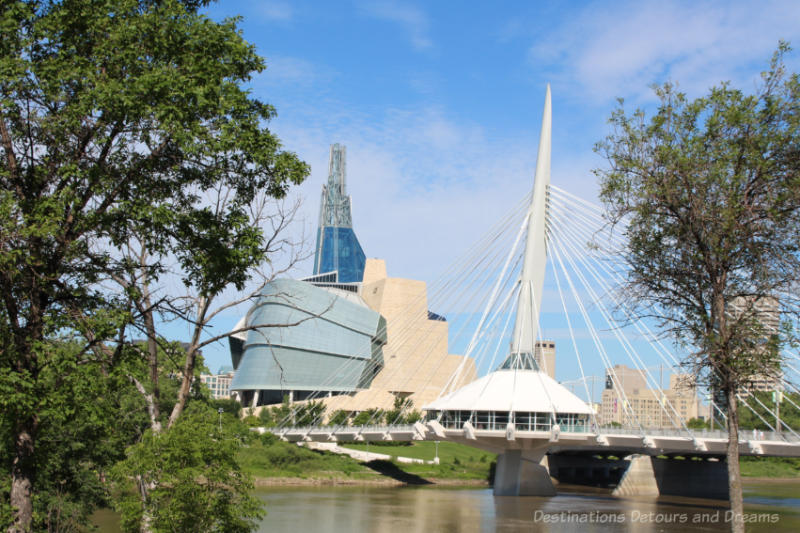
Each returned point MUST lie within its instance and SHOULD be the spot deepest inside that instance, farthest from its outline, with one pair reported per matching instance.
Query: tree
(763, 418)
(696, 423)
(339, 418)
(88, 421)
(115, 119)
(709, 194)
(196, 483)
(403, 412)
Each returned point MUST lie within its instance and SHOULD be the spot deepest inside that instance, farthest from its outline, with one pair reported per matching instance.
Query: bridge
(538, 428)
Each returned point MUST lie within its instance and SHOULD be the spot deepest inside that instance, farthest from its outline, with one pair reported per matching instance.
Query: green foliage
(276, 415)
(309, 414)
(270, 457)
(775, 467)
(371, 416)
(696, 423)
(117, 121)
(403, 412)
(710, 193)
(338, 418)
(251, 421)
(413, 416)
(229, 406)
(85, 422)
(195, 482)
(764, 404)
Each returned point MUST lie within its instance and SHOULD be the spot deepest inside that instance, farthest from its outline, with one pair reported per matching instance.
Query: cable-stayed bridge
(518, 410)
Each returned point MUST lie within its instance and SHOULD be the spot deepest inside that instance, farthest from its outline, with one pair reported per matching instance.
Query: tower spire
(526, 327)
(338, 249)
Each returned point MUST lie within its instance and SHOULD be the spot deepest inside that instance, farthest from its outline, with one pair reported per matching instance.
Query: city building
(628, 401)
(348, 335)
(219, 384)
(767, 313)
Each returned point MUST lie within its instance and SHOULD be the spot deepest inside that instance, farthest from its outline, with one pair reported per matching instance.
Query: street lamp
(220, 411)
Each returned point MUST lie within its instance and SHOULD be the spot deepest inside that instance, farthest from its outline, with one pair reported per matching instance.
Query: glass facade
(311, 340)
(339, 250)
(499, 420)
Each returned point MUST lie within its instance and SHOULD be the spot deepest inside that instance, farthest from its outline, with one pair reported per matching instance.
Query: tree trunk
(185, 388)
(191, 359)
(146, 525)
(734, 474)
(152, 348)
(22, 471)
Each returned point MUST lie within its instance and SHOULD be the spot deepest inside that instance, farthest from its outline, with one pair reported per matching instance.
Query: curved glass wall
(499, 420)
(310, 340)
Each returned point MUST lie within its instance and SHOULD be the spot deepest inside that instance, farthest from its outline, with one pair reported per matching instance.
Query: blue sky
(439, 103)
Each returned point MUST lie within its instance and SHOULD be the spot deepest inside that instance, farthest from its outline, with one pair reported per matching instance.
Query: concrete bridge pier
(690, 478)
(700, 477)
(643, 475)
(519, 473)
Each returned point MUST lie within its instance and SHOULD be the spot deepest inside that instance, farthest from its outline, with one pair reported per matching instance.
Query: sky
(439, 104)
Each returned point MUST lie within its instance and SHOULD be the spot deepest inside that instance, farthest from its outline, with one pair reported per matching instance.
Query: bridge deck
(651, 442)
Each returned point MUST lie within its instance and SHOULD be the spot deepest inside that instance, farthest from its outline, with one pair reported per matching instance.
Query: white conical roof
(512, 390)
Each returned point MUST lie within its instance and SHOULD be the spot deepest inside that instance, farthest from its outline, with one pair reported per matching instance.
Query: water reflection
(432, 509)
(411, 510)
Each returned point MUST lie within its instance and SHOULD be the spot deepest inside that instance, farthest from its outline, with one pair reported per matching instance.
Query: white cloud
(285, 71)
(413, 20)
(275, 10)
(614, 51)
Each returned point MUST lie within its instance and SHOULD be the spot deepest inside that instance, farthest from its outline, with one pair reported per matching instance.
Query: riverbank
(268, 458)
(351, 482)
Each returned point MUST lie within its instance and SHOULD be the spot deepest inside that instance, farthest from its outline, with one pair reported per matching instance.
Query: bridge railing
(403, 428)
(701, 433)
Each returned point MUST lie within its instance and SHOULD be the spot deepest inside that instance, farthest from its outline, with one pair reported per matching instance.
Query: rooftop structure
(337, 249)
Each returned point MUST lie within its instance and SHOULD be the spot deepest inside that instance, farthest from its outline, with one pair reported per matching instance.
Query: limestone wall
(416, 360)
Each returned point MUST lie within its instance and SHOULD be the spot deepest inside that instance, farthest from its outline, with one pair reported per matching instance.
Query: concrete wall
(638, 475)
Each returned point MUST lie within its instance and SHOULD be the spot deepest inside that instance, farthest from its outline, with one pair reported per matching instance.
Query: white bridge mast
(526, 327)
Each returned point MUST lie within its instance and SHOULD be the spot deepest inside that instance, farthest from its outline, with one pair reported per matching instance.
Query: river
(772, 506)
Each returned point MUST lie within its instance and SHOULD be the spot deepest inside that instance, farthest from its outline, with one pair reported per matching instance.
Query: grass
(456, 461)
(268, 457)
(281, 459)
(774, 467)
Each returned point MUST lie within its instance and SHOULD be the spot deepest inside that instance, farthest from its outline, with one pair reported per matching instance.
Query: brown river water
(770, 506)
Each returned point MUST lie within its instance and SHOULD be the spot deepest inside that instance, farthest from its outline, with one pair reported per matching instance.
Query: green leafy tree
(309, 414)
(117, 119)
(338, 418)
(403, 412)
(265, 418)
(764, 412)
(196, 482)
(90, 417)
(696, 423)
(369, 416)
(709, 193)
(229, 406)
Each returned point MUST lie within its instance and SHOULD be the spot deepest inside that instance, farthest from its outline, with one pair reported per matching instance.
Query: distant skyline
(440, 104)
